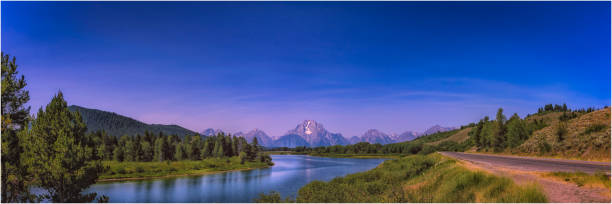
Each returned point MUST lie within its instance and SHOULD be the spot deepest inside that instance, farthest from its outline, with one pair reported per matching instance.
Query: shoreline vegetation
(123, 171)
(417, 178)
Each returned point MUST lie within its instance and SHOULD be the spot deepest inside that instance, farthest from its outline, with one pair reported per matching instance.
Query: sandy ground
(556, 191)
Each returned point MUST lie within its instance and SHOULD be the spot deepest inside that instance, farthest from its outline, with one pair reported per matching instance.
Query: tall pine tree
(15, 178)
(55, 152)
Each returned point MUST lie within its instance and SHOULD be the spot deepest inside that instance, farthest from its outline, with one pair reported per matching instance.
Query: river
(287, 176)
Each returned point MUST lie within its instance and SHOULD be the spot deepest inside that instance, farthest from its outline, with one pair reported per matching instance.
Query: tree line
(548, 108)
(160, 147)
(503, 133)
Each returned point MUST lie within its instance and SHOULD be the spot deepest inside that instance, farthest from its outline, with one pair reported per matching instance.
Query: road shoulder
(556, 191)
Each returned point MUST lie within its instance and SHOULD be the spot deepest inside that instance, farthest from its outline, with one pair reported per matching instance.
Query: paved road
(532, 164)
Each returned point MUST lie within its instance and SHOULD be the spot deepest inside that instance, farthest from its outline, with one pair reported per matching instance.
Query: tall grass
(581, 178)
(417, 178)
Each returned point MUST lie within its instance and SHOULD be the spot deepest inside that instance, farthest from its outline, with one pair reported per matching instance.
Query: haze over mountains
(312, 134)
(308, 133)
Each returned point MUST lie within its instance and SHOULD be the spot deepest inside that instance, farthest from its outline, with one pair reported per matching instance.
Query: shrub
(243, 157)
(594, 128)
(273, 197)
(561, 131)
(121, 171)
(427, 149)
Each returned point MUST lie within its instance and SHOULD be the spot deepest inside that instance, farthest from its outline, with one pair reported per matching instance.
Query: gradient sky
(393, 66)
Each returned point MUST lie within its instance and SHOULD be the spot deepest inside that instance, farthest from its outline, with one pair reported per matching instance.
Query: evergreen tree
(186, 145)
(56, 155)
(147, 150)
(206, 149)
(119, 153)
(100, 151)
(516, 131)
(159, 149)
(138, 153)
(485, 132)
(227, 146)
(168, 148)
(218, 151)
(128, 148)
(111, 143)
(500, 130)
(256, 145)
(195, 145)
(179, 153)
(235, 146)
(14, 119)
(475, 134)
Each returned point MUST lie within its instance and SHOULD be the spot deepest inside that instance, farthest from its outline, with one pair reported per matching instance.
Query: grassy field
(417, 178)
(582, 179)
(136, 170)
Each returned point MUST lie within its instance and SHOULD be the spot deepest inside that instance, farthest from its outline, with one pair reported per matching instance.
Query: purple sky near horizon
(352, 66)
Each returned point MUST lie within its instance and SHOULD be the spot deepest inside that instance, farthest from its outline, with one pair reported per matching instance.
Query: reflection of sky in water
(289, 173)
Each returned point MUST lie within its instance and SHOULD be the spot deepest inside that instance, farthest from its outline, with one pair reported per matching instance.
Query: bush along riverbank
(418, 178)
(143, 170)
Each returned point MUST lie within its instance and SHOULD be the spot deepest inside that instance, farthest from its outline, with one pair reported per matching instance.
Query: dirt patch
(556, 191)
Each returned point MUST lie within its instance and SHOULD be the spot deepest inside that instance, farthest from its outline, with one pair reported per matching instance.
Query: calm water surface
(287, 176)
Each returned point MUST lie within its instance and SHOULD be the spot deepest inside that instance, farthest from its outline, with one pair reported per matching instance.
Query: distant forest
(118, 125)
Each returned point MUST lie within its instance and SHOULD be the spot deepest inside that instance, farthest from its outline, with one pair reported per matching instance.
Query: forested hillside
(118, 125)
(554, 131)
(579, 135)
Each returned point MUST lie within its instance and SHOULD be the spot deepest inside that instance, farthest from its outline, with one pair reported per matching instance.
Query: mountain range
(312, 134)
(308, 133)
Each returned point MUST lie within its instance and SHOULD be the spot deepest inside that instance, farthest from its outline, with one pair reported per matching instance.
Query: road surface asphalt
(532, 164)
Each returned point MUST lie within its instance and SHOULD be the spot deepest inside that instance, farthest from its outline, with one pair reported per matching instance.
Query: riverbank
(119, 171)
(431, 178)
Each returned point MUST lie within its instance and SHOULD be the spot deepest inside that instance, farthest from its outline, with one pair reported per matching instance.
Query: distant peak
(310, 122)
(307, 128)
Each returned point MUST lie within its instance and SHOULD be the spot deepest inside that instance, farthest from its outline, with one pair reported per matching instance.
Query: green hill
(118, 125)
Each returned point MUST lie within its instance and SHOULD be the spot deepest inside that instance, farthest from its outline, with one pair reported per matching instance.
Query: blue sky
(393, 66)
